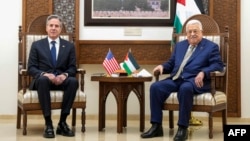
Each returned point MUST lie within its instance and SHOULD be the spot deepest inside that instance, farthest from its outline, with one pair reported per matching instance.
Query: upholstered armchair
(27, 100)
(216, 99)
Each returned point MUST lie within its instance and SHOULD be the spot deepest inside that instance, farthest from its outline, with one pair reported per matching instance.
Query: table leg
(121, 91)
(120, 107)
(102, 100)
(142, 108)
(125, 112)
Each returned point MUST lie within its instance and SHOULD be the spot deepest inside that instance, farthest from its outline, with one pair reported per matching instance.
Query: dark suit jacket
(40, 59)
(206, 58)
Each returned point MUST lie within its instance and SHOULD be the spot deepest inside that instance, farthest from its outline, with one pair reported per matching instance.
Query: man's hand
(159, 68)
(199, 79)
(51, 76)
(57, 80)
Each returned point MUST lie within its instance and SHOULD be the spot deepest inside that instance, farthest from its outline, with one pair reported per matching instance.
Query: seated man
(189, 66)
(52, 64)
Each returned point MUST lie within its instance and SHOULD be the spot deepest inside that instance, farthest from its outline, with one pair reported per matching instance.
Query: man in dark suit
(189, 66)
(59, 75)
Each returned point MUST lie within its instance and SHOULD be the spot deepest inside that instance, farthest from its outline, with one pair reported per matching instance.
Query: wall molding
(145, 52)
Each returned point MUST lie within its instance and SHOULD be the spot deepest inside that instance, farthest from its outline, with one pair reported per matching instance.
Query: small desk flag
(110, 63)
(130, 64)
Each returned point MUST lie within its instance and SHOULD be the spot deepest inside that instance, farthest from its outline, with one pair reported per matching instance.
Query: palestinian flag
(130, 64)
(186, 9)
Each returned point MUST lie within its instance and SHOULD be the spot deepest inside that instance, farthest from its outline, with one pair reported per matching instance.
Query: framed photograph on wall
(129, 12)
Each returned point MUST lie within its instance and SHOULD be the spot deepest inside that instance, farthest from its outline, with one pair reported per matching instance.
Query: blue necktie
(53, 52)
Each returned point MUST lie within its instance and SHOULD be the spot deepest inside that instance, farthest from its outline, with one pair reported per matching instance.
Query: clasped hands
(57, 80)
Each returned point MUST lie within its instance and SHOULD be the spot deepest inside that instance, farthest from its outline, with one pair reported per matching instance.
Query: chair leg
(24, 123)
(83, 118)
(73, 117)
(171, 119)
(18, 120)
(224, 119)
(210, 124)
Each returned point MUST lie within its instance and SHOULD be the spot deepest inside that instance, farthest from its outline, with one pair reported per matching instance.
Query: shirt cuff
(66, 74)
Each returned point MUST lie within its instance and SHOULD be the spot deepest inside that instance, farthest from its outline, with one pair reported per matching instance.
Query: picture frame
(93, 19)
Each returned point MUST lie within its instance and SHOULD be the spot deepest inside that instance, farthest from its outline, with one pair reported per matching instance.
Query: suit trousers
(44, 85)
(160, 91)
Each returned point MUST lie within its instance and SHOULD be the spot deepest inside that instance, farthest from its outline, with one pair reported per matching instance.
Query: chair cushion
(201, 99)
(31, 96)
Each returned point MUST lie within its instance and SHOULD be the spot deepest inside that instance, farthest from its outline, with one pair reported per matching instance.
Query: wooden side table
(121, 88)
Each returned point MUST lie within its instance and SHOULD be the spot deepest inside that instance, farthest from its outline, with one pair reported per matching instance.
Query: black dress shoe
(64, 130)
(155, 131)
(49, 132)
(181, 135)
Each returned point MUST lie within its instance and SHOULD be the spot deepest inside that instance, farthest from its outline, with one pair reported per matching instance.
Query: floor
(130, 133)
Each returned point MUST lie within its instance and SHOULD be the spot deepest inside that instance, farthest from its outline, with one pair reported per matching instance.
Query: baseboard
(91, 117)
(88, 117)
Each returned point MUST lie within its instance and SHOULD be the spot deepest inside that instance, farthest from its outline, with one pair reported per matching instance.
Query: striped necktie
(183, 63)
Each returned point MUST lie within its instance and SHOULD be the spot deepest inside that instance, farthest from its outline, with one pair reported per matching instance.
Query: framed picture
(129, 12)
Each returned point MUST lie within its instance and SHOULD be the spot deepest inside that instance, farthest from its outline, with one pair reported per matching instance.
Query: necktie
(53, 52)
(183, 63)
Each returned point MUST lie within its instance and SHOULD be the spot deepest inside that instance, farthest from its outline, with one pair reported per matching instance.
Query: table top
(120, 79)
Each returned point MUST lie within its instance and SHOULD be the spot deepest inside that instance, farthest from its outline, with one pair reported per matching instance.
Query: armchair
(216, 100)
(27, 100)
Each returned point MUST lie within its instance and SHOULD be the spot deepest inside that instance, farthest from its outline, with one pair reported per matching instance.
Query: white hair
(194, 22)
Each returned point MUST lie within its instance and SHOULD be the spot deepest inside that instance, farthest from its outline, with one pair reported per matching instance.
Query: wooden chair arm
(24, 79)
(213, 76)
(216, 75)
(23, 72)
(81, 71)
(157, 75)
(80, 77)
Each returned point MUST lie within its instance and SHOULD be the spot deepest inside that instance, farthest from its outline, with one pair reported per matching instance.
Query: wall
(8, 51)
(11, 15)
(117, 33)
(245, 51)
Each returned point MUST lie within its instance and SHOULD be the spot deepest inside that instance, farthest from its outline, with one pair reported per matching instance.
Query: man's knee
(43, 79)
(186, 87)
(72, 81)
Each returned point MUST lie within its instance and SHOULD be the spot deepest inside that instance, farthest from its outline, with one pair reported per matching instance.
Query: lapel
(184, 50)
(62, 48)
(198, 50)
(46, 49)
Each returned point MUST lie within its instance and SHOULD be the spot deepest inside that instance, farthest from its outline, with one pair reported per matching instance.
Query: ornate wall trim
(227, 12)
(65, 9)
(145, 52)
(33, 9)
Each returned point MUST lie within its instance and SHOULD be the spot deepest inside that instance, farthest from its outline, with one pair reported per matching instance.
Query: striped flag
(186, 9)
(110, 63)
(130, 64)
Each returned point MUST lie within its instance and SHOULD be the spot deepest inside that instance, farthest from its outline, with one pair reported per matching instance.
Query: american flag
(110, 63)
